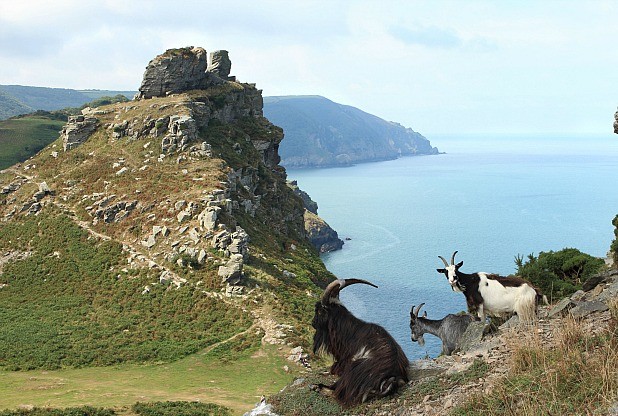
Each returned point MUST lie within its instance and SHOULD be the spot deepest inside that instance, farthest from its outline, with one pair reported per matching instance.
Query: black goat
(449, 329)
(367, 359)
(493, 294)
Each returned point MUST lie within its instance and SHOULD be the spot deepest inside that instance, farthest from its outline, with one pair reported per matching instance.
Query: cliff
(320, 133)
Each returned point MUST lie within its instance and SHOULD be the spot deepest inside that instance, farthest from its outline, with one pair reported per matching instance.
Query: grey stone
(586, 308)
(175, 71)
(593, 281)
(220, 64)
(183, 216)
(208, 218)
(561, 308)
(231, 272)
(77, 130)
(472, 337)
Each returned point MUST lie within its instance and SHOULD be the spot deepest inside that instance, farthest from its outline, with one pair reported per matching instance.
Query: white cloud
(436, 66)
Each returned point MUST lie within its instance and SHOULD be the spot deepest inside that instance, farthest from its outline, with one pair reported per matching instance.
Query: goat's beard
(421, 341)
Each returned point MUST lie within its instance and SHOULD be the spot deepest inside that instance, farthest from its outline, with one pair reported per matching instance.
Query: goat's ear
(443, 271)
(459, 264)
(424, 314)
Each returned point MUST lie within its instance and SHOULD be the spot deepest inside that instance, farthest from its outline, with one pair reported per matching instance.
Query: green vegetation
(578, 376)
(20, 99)
(614, 247)
(23, 137)
(69, 304)
(299, 399)
(236, 384)
(560, 273)
(72, 411)
(180, 408)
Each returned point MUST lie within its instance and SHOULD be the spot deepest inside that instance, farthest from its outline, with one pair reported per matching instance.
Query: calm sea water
(488, 198)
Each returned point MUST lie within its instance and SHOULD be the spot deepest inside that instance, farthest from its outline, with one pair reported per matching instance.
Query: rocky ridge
(186, 176)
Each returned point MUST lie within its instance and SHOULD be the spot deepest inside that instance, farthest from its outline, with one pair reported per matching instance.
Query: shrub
(614, 247)
(180, 408)
(558, 273)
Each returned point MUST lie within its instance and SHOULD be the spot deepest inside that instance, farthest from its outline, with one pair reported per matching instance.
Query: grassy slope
(237, 384)
(71, 304)
(20, 138)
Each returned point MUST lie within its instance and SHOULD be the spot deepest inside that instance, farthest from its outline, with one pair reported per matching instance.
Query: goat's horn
(333, 289)
(453, 258)
(444, 261)
(418, 309)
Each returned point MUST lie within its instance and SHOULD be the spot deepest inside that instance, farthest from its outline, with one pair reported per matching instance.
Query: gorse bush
(558, 273)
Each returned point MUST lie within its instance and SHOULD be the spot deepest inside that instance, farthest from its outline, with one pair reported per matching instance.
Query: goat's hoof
(315, 387)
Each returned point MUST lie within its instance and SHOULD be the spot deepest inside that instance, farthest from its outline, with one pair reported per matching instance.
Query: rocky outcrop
(616, 122)
(175, 71)
(220, 65)
(598, 291)
(77, 130)
(310, 204)
(321, 235)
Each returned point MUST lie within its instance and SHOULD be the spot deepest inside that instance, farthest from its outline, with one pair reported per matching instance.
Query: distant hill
(19, 99)
(320, 133)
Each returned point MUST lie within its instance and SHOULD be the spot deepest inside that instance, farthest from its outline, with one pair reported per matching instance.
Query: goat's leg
(481, 313)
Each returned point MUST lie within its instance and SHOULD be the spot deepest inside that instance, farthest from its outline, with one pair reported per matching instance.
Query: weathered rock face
(321, 235)
(220, 64)
(178, 70)
(77, 130)
(616, 122)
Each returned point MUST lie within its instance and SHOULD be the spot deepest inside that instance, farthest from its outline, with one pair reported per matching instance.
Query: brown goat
(367, 359)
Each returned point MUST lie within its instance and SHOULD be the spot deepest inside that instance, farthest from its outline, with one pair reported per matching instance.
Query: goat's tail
(526, 309)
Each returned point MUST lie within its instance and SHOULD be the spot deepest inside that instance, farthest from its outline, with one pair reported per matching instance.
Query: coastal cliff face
(184, 184)
(321, 133)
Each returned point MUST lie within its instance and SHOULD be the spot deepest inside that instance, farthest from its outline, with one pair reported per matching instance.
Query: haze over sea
(489, 198)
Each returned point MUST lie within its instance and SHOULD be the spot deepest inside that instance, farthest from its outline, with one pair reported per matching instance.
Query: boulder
(320, 234)
(175, 71)
(220, 64)
(586, 308)
(77, 130)
(208, 218)
(231, 272)
(561, 308)
(472, 337)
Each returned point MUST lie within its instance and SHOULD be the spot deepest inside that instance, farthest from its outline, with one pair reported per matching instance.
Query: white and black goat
(449, 329)
(369, 362)
(493, 294)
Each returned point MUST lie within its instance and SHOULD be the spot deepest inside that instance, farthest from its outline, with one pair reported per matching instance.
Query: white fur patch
(498, 299)
(362, 354)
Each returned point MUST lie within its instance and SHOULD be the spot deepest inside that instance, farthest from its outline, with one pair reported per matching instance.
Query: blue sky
(439, 67)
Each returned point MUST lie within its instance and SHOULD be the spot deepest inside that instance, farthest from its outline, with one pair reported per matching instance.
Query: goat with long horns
(367, 359)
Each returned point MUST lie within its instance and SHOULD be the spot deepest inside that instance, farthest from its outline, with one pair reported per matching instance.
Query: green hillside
(23, 137)
(20, 99)
(10, 106)
(320, 132)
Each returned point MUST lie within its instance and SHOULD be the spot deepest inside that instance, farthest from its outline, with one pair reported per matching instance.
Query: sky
(439, 67)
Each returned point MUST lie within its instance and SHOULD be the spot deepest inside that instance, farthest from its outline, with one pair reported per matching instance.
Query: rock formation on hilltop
(184, 69)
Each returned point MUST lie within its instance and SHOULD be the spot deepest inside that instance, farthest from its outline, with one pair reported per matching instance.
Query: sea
(490, 198)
